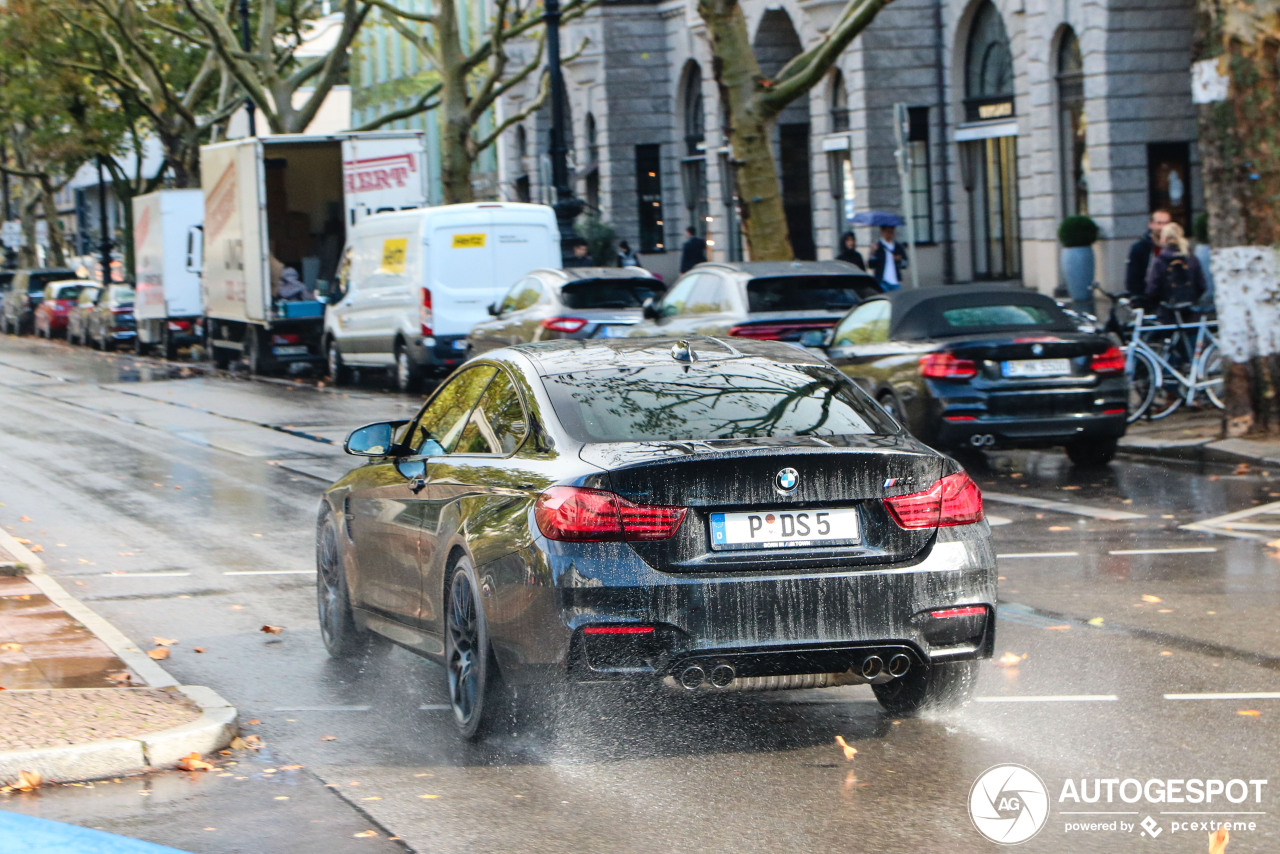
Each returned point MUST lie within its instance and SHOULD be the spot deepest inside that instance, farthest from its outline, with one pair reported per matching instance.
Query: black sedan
(987, 366)
(580, 302)
(704, 514)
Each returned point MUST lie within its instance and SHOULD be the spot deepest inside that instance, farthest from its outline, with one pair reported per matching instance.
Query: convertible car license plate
(774, 529)
(613, 331)
(1037, 368)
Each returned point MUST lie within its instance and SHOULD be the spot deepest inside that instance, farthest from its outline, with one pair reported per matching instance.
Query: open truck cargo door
(383, 173)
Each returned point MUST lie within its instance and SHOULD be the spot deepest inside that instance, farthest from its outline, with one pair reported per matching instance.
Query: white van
(413, 283)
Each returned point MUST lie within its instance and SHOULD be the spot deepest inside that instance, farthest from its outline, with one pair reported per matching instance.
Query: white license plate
(773, 529)
(291, 350)
(1036, 368)
(613, 332)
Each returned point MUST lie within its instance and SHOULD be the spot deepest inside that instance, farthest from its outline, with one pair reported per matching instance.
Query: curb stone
(1225, 451)
(115, 757)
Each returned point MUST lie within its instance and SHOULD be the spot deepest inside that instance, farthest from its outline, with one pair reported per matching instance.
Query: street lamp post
(568, 205)
(103, 232)
(245, 44)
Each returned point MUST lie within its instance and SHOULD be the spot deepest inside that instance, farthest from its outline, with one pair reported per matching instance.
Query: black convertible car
(711, 514)
(987, 366)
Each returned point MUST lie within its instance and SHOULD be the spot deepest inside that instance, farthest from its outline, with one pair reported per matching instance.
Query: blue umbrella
(880, 218)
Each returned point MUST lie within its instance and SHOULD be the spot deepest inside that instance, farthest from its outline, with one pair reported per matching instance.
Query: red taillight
(1109, 361)
(775, 331)
(618, 630)
(287, 338)
(1114, 411)
(945, 366)
(972, 611)
(593, 515)
(563, 324)
(954, 500)
(425, 317)
(959, 418)
(179, 325)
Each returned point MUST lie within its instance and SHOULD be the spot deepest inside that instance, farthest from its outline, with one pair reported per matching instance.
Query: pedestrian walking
(1142, 252)
(694, 251)
(889, 260)
(849, 251)
(1175, 277)
(626, 257)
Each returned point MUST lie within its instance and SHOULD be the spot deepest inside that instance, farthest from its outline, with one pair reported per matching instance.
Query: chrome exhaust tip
(982, 440)
(872, 666)
(899, 665)
(722, 675)
(692, 677)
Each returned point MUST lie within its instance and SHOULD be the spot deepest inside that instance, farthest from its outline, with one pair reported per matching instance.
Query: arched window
(988, 78)
(839, 104)
(1074, 156)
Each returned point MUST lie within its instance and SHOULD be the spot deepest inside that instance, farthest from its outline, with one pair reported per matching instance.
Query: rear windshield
(808, 293)
(609, 293)
(38, 281)
(68, 292)
(737, 399)
(998, 315)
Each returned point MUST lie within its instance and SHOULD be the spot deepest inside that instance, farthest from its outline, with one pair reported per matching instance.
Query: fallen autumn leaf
(272, 630)
(160, 653)
(849, 751)
(1218, 841)
(193, 762)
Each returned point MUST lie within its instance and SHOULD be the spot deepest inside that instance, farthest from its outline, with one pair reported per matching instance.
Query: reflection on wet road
(184, 506)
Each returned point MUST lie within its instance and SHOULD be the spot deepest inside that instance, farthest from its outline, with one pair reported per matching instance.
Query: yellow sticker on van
(393, 252)
(468, 241)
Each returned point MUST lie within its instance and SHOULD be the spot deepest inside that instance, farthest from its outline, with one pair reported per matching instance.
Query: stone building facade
(1017, 113)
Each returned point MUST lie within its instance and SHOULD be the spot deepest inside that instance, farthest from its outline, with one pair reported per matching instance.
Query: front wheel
(339, 373)
(936, 687)
(475, 689)
(338, 629)
(1144, 379)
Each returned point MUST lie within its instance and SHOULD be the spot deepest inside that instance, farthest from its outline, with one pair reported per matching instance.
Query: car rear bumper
(808, 622)
(441, 355)
(1022, 431)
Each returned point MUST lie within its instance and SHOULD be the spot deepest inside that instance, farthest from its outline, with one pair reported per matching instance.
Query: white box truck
(167, 304)
(276, 214)
(413, 283)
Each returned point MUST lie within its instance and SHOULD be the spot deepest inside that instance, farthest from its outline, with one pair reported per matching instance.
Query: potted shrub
(1077, 234)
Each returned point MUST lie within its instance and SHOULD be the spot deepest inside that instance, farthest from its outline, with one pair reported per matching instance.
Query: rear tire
(1092, 453)
(408, 375)
(476, 693)
(1211, 371)
(257, 351)
(1143, 381)
(339, 373)
(937, 687)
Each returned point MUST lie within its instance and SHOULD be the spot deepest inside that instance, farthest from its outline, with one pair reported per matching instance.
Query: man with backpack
(1141, 252)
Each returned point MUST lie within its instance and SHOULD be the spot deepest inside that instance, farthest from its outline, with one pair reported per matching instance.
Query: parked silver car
(581, 302)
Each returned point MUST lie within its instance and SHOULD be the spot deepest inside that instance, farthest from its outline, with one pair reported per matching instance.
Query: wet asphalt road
(183, 506)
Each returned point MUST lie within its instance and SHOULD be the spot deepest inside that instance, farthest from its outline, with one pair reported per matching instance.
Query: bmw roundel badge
(787, 479)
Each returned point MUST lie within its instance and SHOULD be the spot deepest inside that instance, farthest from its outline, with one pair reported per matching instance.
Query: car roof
(915, 309)
(761, 269)
(574, 274)
(567, 355)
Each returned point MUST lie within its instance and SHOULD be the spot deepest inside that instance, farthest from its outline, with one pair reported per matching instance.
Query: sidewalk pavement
(1196, 436)
(78, 700)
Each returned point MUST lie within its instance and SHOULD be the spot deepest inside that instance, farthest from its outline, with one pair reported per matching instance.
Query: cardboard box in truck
(276, 214)
(167, 306)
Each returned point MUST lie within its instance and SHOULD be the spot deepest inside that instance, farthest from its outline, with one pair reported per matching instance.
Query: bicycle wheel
(1211, 373)
(1144, 377)
(1168, 393)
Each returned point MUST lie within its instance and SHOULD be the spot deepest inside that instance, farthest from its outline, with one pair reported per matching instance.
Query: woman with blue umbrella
(889, 259)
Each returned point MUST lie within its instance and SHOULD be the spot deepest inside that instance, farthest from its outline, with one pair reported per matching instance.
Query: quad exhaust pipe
(872, 666)
(899, 665)
(982, 440)
(724, 676)
(692, 677)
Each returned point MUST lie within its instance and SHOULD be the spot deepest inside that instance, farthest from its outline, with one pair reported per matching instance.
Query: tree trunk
(455, 134)
(28, 201)
(53, 224)
(1240, 164)
(750, 131)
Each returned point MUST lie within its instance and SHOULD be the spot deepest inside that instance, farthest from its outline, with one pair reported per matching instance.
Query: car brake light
(593, 515)
(618, 630)
(945, 366)
(954, 500)
(286, 338)
(567, 325)
(970, 611)
(425, 318)
(1109, 361)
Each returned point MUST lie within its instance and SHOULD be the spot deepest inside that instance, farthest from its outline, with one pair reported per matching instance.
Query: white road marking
(271, 572)
(428, 707)
(1193, 550)
(1052, 698)
(1211, 812)
(1094, 812)
(1063, 507)
(1019, 555)
(323, 708)
(1232, 524)
(144, 575)
(1257, 695)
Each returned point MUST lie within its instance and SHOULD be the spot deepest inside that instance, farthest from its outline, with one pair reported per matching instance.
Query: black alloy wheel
(338, 629)
(408, 375)
(473, 677)
(932, 687)
(339, 373)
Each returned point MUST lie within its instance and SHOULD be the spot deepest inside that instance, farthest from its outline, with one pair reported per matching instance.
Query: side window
(676, 299)
(523, 294)
(708, 296)
(498, 425)
(447, 412)
(868, 324)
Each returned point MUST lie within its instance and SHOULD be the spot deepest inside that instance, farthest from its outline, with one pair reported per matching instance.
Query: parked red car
(59, 299)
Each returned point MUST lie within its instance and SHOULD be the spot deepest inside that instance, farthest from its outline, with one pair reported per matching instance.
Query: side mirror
(814, 338)
(373, 440)
(494, 311)
(650, 309)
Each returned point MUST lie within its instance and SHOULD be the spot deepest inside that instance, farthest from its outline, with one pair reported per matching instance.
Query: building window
(839, 104)
(593, 166)
(524, 192)
(649, 195)
(693, 166)
(1074, 155)
(988, 68)
(840, 178)
(921, 183)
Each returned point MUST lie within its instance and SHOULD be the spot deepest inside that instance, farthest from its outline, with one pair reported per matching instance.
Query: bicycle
(1153, 371)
